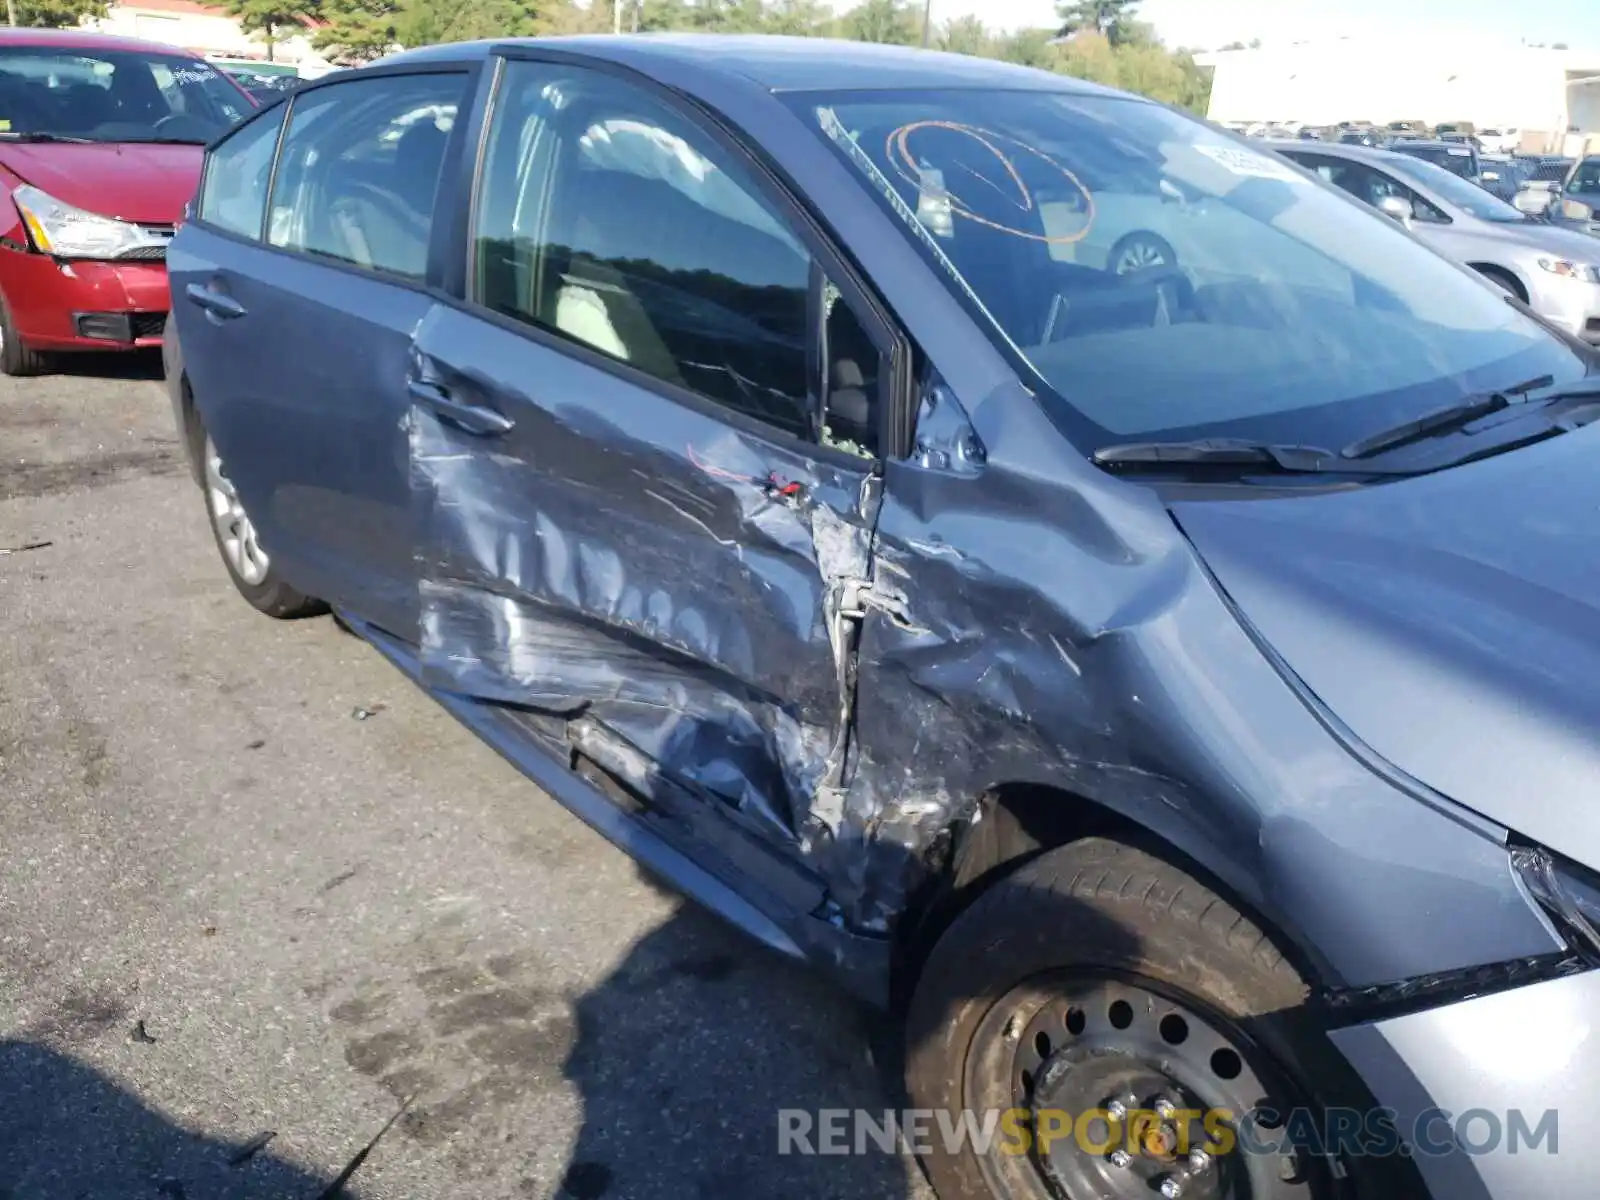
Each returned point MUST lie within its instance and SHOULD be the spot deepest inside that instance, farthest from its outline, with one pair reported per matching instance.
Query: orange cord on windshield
(898, 152)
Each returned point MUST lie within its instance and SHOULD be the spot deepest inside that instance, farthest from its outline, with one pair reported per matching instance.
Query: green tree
(429, 22)
(56, 14)
(895, 22)
(1029, 48)
(967, 35)
(568, 17)
(358, 30)
(1090, 56)
(270, 18)
(1113, 18)
(800, 18)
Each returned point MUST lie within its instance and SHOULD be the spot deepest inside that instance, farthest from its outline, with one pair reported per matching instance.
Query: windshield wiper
(1220, 452)
(1464, 412)
(164, 141)
(17, 136)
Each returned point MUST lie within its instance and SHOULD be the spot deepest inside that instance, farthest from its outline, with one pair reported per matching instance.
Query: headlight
(59, 229)
(1568, 269)
(1567, 892)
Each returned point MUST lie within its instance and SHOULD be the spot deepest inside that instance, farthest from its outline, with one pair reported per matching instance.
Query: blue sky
(1211, 23)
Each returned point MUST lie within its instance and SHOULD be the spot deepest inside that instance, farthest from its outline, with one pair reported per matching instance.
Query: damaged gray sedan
(1165, 673)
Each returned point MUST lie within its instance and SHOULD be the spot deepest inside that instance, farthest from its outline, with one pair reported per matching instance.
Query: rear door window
(359, 173)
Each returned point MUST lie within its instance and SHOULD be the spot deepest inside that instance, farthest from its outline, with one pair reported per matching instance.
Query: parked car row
(1368, 133)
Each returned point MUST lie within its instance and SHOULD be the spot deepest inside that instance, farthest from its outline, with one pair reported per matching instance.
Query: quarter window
(359, 173)
(612, 220)
(234, 195)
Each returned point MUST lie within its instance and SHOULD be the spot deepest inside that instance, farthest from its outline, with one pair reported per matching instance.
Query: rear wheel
(1127, 1018)
(16, 358)
(249, 565)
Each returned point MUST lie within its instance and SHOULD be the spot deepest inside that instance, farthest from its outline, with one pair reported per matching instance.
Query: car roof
(83, 39)
(783, 63)
(1372, 154)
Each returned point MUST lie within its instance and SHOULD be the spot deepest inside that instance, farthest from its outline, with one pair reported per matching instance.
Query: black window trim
(895, 383)
(471, 70)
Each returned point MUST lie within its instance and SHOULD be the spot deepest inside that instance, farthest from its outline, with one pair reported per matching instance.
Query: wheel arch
(1504, 276)
(190, 428)
(1018, 821)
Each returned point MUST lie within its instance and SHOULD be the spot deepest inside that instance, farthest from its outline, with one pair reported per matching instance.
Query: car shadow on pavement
(134, 365)
(684, 1057)
(689, 1054)
(67, 1131)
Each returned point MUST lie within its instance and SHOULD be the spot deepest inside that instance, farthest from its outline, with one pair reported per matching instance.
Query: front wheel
(248, 564)
(17, 359)
(1141, 251)
(1122, 1020)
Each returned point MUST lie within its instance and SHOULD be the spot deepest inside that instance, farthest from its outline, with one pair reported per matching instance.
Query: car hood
(1451, 622)
(1553, 239)
(147, 184)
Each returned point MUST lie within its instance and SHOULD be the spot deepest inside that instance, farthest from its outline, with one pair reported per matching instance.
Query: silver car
(1555, 270)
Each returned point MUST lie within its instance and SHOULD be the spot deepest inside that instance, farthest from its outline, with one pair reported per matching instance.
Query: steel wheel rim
(1085, 1061)
(1140, 255)
(236, 534)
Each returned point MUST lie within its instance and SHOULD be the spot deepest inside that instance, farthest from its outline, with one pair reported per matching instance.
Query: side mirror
(1576, 210)
(1397, 207)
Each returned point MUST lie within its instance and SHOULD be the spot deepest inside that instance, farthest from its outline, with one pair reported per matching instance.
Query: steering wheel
(185, 125)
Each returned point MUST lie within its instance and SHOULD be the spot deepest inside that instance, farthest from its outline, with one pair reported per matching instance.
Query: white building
(205, 29)
(1546, 94)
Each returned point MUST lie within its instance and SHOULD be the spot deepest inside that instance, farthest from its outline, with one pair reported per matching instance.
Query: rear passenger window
(234, 194)
(359, 173)
(612, 220)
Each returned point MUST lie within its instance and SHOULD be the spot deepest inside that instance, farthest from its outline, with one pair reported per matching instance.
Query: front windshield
(1167, 280)
(1461, 193)
(113, 96)
(1458, 160)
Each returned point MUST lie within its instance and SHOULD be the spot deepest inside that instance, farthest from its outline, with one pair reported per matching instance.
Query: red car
(101, 141)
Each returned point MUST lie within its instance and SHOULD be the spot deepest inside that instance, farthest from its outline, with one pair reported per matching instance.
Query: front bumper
(84, 305)
(1573, 304)
(1513, 1077)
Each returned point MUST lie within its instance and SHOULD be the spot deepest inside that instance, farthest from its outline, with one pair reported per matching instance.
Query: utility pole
(927, 22)
(616, 14)
(11, 12)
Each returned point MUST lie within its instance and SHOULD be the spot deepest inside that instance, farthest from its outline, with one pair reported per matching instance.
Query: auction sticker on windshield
(1246, 162)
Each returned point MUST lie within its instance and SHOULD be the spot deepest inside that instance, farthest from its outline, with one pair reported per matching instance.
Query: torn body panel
(1049, 635)
(639, 562)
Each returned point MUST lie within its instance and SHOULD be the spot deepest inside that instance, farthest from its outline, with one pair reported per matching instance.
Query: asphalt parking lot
(253, 882)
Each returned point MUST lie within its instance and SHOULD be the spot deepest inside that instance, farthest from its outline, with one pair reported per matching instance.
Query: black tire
(1100, 910)
(271, 594)
(15, 358)
(1157, 248)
